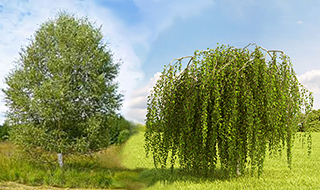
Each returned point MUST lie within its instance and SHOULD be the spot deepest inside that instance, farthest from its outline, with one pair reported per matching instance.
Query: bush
(122, 129)
(123, 136)
(312, 122)
(4, 132)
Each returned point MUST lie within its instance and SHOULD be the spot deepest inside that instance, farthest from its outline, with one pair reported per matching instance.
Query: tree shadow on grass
(150, 177)
(167, 176)
(97, 171)
(134, 179)
(81, 172)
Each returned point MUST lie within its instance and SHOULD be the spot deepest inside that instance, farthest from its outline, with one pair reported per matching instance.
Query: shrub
(312, 123)
(121, 125)
(4, 132)
(123, 136)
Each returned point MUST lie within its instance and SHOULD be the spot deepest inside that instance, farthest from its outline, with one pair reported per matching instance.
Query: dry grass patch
(109, 158)
(17, 186)
(6, 148)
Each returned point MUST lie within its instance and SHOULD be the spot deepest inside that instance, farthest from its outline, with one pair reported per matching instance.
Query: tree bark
(60, 159)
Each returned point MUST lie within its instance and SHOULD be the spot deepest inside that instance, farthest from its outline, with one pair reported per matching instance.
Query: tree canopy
(229, 104)
(62, 92)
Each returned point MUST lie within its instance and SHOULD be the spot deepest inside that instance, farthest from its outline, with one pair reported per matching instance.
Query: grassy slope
(305, 173)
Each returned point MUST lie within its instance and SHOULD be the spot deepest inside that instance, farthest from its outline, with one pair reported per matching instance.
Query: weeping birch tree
(230, 105)
(61, 94)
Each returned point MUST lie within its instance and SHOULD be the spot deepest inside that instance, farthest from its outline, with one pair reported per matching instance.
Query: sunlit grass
(127, 167)
(305, 173)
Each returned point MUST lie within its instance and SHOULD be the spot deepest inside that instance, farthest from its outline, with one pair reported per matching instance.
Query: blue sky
(147, 34)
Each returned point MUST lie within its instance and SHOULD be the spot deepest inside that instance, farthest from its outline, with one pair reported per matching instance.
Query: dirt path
(17, 186)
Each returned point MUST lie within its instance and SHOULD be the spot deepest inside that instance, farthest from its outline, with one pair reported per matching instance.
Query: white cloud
(20, 20)
(311, 80)
(138, 102)
(158, 15)
(121, 44)
(299, 22)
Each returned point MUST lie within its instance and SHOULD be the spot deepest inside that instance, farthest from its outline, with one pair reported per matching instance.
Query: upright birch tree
(62, 92)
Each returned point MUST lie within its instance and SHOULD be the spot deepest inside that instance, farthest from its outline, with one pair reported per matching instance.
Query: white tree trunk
(60, 159)
(238, 167)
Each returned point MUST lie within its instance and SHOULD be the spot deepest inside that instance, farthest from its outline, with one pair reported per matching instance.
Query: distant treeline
(310, 122)
(121, 130)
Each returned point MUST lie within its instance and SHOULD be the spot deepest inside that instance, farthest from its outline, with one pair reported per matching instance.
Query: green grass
(82, 172)
(305, 173)
(127, 167)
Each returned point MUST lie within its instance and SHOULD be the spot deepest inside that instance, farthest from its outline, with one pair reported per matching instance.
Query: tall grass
(102, 170)
(79, 171)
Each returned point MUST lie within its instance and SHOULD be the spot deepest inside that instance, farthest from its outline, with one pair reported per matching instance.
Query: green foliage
(312, 121)
(123, 136)
(122, 129)
(4, 132)
(229, 105)
(61, 95)
(301, 122)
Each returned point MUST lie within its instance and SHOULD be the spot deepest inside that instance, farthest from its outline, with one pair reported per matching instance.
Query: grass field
(305, 173)
(127, 167)
(101, 171)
